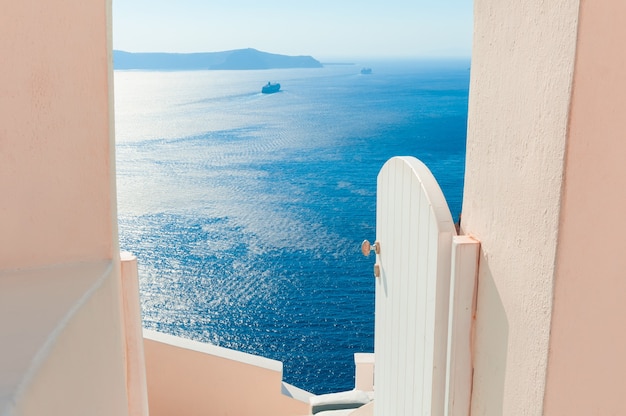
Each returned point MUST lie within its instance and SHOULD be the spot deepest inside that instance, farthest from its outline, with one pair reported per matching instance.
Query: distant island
(235, 59)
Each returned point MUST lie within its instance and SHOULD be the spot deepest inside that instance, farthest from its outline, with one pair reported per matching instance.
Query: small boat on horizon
(270, 88)
(366, 71)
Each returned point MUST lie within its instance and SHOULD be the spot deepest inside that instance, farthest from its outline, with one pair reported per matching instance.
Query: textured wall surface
(522, 65)
(62, 341)
(55, 142)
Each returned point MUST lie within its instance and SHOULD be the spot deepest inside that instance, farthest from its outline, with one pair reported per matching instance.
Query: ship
(366, 71)
(270, 88)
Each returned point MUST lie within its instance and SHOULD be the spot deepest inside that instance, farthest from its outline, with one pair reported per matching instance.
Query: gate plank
(414, 228)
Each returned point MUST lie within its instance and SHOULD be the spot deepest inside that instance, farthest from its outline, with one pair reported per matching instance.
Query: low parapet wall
(189, 378)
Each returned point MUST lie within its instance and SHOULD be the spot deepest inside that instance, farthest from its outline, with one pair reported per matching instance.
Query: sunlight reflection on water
(246, 211)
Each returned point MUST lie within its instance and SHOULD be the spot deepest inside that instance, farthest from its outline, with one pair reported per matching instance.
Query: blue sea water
(246, 211)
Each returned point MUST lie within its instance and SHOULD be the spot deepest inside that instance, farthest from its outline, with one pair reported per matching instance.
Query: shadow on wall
(491, 339)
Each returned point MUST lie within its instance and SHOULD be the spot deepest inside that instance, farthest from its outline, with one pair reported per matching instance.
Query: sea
(246, 211)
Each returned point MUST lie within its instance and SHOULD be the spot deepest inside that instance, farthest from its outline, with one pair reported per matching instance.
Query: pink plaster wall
(56, 177)
(189, 382)
(57, 210)
(587, 361)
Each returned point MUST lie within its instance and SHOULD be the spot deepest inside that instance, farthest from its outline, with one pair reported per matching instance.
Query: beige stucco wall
(56, 169)
(522, 65)
(587, 362)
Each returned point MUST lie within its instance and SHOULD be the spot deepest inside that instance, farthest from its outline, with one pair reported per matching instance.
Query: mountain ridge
(236, 59)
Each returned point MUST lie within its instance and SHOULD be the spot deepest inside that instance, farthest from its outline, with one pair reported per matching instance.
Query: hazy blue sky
(325, 29)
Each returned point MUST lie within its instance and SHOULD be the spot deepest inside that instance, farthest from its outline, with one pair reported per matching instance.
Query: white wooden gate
(414, 230)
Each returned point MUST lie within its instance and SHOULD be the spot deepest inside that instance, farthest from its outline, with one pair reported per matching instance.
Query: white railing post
(136, 387)
(364, 371)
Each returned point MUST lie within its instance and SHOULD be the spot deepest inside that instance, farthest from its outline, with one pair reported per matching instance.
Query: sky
(324, 29)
